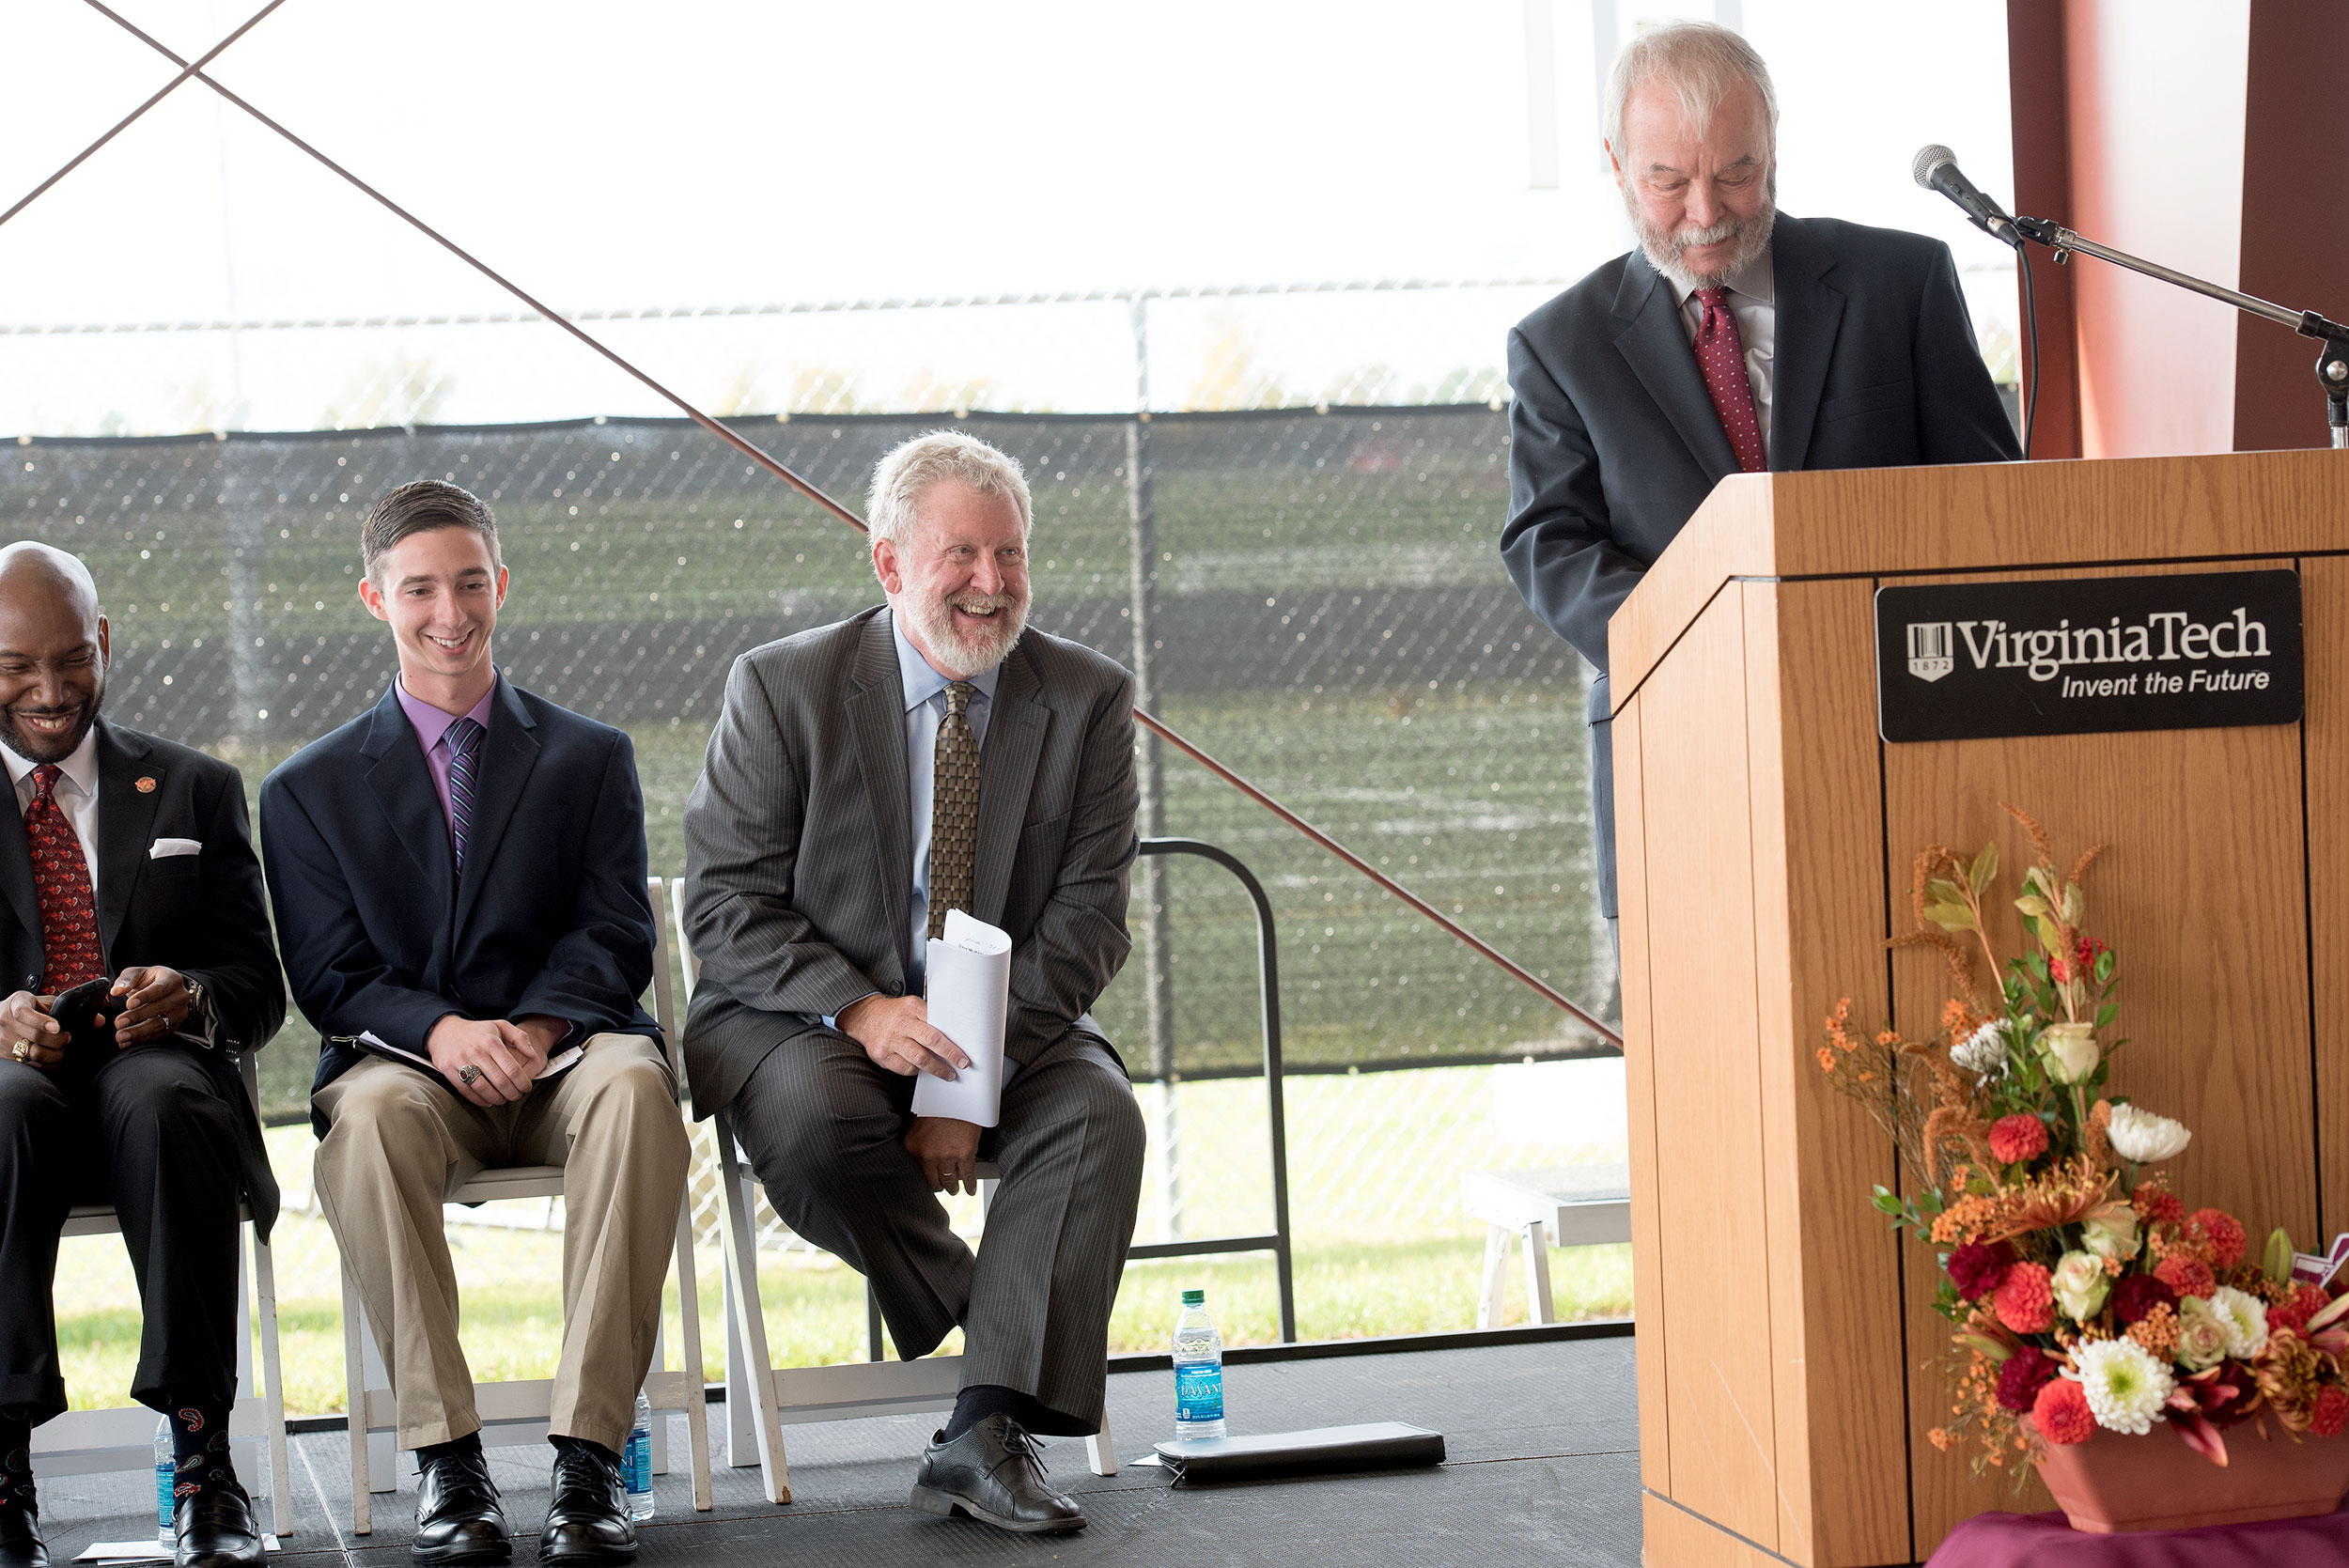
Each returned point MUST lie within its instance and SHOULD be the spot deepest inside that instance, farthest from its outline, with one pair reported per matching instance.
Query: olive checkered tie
(954, 809)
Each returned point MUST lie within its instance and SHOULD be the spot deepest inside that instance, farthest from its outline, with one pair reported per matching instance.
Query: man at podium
(1732, 340)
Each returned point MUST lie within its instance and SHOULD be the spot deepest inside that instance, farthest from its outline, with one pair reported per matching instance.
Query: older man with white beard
(864, 779)
(1734, 339)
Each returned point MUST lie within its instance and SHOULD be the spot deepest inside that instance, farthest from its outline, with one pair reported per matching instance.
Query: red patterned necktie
(1721, 356)
(71, 952)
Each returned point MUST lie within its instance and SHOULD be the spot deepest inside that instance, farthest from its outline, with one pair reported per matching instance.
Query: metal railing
(1278, 1241)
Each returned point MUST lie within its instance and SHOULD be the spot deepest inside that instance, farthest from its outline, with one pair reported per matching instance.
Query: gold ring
(24, 1050)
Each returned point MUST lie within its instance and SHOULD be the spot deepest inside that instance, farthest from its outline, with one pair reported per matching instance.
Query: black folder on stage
(1322, 1451)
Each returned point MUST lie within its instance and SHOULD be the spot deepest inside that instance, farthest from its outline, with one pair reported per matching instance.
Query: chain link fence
(1327, 614)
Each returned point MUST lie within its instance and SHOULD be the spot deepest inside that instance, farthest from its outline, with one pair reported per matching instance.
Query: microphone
(1936, 169)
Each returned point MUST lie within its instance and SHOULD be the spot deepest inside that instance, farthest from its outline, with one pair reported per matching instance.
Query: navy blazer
(1614, 443)
(381, 935)
(202, 914)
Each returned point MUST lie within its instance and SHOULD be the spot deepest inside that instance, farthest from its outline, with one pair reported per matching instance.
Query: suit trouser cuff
(41, 1394)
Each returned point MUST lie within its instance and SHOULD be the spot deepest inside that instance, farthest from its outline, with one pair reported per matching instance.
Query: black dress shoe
(458, 1518)
(587, 1519)
(20, 1538)
(993, 1472)
(216, 1530)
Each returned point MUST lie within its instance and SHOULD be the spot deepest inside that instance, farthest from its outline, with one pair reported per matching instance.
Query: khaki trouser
(400, 1146)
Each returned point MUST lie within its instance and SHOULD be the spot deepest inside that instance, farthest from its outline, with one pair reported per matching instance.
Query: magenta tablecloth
(2045, 1541)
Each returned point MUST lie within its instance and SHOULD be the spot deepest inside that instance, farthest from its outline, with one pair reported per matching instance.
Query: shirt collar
(430, 723)
(1756, 284)
(81, 768)
(922, 682)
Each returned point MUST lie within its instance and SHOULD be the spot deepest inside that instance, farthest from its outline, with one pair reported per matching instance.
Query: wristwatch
(195, 1000)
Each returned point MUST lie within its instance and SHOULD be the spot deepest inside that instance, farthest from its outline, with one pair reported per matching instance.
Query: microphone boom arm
(2332, 365)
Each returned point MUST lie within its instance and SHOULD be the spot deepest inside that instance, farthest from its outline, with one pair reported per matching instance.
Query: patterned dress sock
(199, 1444)
(16, 1458)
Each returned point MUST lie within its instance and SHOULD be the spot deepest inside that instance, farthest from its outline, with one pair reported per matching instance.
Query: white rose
(2080, 1285)
(2202, 1335)
(2244, 1318)
(2143, 1137)
(2070, 1050)
(2109, 1231)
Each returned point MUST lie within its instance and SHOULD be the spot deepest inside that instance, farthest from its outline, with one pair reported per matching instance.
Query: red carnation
(2187, 1275)
(2140, 1294)
(2331, 1412)
(2157, 1205)
(2017, 1137)
(2085, 953)
(2025, 1300)
(2021, 1378)
(2222, 1232)
(2292, 1312)
(1976, 1269)
(2061, 1412)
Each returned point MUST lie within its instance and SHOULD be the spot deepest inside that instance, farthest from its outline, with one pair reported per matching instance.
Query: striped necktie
(464, 772)
(954, 810)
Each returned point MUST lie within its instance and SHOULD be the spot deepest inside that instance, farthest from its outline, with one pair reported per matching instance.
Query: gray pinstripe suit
(799, 883)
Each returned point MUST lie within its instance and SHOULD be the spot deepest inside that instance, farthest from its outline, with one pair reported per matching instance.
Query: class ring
(23, 1051)
(466, 1074)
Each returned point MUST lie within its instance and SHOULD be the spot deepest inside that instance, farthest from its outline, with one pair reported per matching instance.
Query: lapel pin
(146, 784)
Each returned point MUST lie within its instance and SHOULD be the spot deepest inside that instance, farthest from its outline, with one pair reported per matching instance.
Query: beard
(973, 652)
(40, 748)
(1663, 250)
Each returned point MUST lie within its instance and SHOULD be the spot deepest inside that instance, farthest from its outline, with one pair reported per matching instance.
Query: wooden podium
(1787, 1356)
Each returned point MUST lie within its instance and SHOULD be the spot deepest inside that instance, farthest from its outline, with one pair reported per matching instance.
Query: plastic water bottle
(166, 1477)
(638, 1461)
(1198, 1370)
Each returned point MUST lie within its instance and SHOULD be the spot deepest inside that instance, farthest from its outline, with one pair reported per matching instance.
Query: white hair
(905, 476)
(1702, 62)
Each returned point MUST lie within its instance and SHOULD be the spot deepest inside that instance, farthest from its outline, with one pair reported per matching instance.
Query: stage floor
(1543, 1468)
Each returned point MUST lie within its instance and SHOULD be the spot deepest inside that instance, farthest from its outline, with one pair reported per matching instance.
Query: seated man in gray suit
(864, 779)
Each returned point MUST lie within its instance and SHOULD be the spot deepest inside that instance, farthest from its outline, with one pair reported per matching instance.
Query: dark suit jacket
(202, 914)
(798, 852)
(381, 935)
(1614, 442)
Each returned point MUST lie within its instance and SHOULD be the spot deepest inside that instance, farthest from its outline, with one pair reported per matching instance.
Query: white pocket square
(163, 848)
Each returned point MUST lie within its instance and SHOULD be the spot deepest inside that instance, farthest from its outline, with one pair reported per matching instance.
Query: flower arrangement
(2084, 1296)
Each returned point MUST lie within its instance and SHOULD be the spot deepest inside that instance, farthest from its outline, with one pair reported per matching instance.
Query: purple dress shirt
(431, 727)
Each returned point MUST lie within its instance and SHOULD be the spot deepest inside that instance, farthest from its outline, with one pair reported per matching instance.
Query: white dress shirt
(1754, 304)
(76, 794)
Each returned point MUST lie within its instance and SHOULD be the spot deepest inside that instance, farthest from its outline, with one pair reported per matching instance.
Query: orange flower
(1827, 1060)
(2157, 1331)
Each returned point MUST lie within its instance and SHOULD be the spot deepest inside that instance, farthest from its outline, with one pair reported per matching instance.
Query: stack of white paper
(969, 984)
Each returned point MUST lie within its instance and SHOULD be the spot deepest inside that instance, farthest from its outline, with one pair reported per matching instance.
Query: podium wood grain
(1787, 1349)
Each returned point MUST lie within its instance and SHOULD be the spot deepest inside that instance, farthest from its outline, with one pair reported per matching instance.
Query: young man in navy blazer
(125, 859)
(459, 880)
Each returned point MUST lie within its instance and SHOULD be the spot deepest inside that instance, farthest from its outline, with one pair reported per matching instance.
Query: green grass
(815, 1309)
(1381, 1245)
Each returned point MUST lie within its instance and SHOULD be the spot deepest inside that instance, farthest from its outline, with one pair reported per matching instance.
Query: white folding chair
(517, 1412)
(762, 1398)
(123, 1438)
